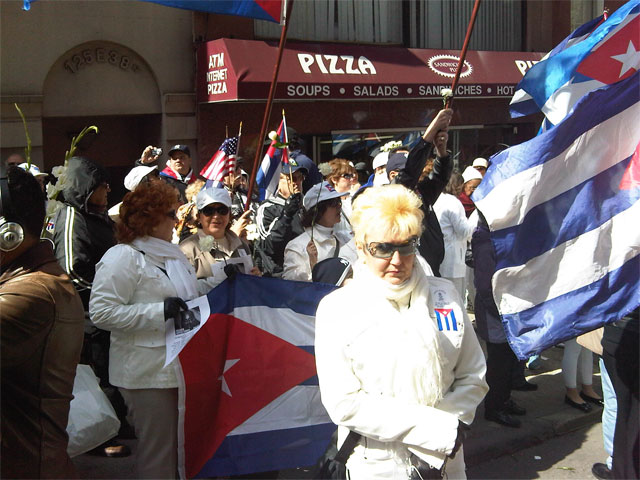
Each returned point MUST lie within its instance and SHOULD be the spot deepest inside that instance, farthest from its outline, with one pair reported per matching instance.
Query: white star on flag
(227, 365)
(630, 59)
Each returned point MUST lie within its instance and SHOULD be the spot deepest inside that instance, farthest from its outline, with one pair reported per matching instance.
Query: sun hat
(319, 193)
(135, 176)
(211, 195)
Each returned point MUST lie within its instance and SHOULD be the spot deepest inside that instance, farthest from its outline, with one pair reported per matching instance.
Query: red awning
(230, 69)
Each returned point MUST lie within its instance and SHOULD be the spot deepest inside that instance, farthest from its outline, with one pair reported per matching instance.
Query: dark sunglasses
(210, 210)
(386, 249)
(172, 215)
(348, 176)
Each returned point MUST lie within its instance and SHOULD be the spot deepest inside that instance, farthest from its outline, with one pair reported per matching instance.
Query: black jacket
(432, 240)
(81, 237)
(276, 230)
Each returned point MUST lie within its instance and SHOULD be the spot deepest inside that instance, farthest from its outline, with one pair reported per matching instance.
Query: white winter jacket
(456, 230)
(127, 298)
(363, 388)
(296, 258)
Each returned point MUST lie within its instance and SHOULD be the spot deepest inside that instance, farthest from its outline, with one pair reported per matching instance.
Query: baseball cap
(380, 160)
(292, 167)
(211, 195)
(471, 173)
(480, 162)
(397, 161)
(32, 169)
(135, 176)
(180, 148)
(319, 193)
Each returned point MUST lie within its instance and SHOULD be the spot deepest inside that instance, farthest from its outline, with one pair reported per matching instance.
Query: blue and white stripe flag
(564, 210)
(598, 53)
(268, 175)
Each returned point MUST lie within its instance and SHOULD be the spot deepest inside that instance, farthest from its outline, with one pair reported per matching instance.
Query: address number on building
(94, 56)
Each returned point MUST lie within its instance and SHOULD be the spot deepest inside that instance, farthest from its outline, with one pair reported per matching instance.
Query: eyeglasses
(348, 176)
(171, 215)
(387, 249)
(210, 210)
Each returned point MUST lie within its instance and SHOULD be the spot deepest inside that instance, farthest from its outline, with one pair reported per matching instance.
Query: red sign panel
(230, 69)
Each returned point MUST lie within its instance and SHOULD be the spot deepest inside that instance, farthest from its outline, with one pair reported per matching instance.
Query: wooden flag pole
(267, 109)
(463, 53)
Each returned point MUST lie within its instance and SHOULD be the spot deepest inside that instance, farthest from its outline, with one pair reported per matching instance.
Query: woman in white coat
(320, 239)
(397, 358)
(456, 230)
(140, 283)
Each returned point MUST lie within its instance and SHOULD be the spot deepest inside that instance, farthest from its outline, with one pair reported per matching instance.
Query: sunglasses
(210, 210)
(348, 176)
(172, 215)
(387, 249)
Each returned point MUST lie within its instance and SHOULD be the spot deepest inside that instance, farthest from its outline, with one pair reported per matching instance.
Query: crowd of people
(405, 243)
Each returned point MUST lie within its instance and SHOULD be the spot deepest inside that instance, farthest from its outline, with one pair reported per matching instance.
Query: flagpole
(267, 109)
(463, 53)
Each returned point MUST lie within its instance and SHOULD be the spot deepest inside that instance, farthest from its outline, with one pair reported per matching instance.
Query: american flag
(222, 163)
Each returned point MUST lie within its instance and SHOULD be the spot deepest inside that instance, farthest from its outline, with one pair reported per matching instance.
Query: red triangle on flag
(631, 176)
(233, 369)
(612, 60)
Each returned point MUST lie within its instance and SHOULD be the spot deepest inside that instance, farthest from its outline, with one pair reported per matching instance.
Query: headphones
(11, 233)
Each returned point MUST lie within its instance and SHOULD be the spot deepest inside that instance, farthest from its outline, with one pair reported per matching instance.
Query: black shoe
(595, 401)
(525, 387)
(584, 406)
(503, 418)
(513, 408)
(600, 470)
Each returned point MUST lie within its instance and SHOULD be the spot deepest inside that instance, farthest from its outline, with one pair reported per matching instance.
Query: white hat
(319, 193)
(32, 169)
(471, 173)
(480, 162)
(135, 176)
(380, 160)
(114, 212)
(210, 195)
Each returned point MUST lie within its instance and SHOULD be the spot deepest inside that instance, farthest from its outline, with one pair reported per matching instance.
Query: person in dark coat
(178, 172)
(434, 139)
(501, 361)
(82, 233)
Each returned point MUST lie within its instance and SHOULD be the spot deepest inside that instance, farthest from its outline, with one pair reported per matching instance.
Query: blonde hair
(392, 209)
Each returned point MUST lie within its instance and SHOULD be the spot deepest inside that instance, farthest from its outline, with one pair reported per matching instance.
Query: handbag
(92, 419)
(333, 465)
(421, 470)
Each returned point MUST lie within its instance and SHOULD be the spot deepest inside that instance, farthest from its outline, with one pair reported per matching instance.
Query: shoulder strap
(337, 251)
(347, 447)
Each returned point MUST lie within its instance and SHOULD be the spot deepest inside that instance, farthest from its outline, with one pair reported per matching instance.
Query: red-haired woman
(140, 283)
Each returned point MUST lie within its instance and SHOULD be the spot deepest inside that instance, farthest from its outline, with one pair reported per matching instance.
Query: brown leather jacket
(41, 330)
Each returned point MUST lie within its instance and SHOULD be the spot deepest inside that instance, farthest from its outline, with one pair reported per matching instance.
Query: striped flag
(598, 53)
(269, 172)
(250, 396)
(222, 163)
(563, 211)
(270, 10)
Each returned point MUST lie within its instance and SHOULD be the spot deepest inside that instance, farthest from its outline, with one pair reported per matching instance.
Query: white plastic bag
(92, 420)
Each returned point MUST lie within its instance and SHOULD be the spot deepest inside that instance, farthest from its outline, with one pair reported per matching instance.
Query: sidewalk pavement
(547, 416)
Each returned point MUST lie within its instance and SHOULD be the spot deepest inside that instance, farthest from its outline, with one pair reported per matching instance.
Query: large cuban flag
(250, 400)
(598, 53)
(270, 10)
(268, 174)
(564, 210)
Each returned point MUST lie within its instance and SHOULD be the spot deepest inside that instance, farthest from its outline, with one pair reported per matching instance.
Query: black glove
(292, 204)
(231, 270)
(463, 428)
(173, 308)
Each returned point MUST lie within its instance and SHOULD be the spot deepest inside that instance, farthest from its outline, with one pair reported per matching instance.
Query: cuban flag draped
(222, 163)
(598, 53)
(270, 10)
(269, 172)
(563, 211)
(250, 398)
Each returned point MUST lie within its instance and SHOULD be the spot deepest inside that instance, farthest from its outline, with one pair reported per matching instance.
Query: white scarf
(421, 335)
(179, 270)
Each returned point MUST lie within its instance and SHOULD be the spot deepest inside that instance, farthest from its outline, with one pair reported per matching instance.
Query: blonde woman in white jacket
(139, 283)
(397, 358)
(320, 240)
